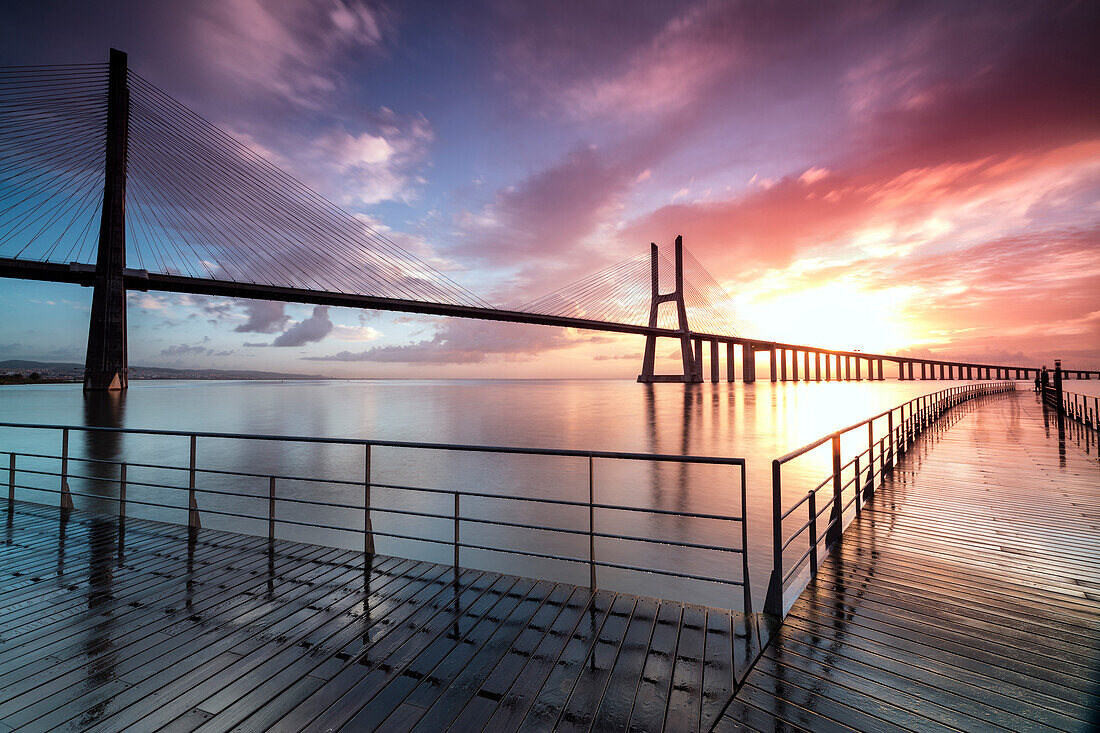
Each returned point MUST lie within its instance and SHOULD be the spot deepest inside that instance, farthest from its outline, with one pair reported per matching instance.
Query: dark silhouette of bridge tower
(105, 366)
(692, 367)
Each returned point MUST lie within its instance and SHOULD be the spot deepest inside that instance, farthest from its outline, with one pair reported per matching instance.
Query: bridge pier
(748, 363)
(805, 366)
(105, 365)
(771, 360)
(859, 377)
(714, 360)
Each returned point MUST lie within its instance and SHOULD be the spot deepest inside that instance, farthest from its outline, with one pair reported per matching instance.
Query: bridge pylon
(105, 366)
(692, 364)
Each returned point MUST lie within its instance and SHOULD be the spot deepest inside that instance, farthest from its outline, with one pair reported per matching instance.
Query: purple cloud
(314, 328)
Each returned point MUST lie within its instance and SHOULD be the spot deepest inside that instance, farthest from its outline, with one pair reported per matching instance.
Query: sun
(837, 316)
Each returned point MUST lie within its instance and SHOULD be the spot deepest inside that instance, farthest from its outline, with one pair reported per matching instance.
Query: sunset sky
(894, 177)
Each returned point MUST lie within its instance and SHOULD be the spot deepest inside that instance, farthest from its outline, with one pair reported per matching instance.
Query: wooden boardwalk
(967, 597)
(149, 627)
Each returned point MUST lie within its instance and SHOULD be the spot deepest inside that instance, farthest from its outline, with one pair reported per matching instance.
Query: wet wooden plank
(588, 688)
(618, 698)
(651, 701)
(687, 674)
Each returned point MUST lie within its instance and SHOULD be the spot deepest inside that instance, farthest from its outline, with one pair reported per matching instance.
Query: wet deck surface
(967, 598)
(160, 629)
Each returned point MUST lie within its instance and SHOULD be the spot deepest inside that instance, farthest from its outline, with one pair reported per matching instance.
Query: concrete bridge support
(794, 366)
(748, 363)
(105, 366)
(805, 366)
(817, 366)
(859, 377)
(771, 357)
(881, 376)
(691, 359)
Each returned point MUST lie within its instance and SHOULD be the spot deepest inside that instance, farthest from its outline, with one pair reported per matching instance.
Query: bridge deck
(218, 630)
(967, 598)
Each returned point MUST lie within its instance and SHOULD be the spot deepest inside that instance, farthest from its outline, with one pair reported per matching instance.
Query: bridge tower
(692, 364)
(105, 366)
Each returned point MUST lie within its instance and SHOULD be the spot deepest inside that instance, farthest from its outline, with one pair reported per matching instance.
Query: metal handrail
(913, 417)
(195, 489)
(1076, 406)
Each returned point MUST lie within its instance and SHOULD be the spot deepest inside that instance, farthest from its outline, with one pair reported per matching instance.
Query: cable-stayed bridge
(107, 181)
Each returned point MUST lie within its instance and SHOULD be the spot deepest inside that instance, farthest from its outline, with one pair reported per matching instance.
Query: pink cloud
(284, 48)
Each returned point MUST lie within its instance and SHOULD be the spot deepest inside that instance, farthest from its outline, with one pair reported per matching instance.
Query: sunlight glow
(839, 315)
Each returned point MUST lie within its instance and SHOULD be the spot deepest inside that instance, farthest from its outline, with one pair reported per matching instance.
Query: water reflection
(105, 533)
(103, 450)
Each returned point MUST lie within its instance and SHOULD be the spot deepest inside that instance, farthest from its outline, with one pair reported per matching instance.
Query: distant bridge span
(95, 144)
(783, 357)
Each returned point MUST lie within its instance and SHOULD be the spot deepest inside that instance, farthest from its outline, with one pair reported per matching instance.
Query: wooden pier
(147, 626)
(965, 598)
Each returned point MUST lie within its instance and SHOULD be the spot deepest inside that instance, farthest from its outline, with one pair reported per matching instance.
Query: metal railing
(1081, 407)
(860, 474)
(121, 476)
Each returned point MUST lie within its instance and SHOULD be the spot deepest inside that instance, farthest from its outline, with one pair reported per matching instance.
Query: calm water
(756, 422)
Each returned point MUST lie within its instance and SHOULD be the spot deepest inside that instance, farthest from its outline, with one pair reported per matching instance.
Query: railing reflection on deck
(118, 473)
(862, 473)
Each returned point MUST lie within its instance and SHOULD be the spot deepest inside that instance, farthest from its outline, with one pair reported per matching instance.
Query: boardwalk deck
(148, 626)
(967, 596)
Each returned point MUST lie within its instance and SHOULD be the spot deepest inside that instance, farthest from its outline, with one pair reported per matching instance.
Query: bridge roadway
(965, 598)
(836, 362)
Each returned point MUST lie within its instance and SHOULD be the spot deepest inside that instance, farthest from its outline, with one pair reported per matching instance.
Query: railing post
(746, 590)
(11, 479)
(271, 507)
(836, 516)
(1058, 384)
(813, 533)
(192, 502)
(856, 488)
(122, 490)
(889, 439)
(870, 490)
(458, 536)
(368, 528)
(591, 525)
(66, 497)
(773, 602)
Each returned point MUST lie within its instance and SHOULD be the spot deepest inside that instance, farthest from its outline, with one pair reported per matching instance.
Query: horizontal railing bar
(337, 505)
(449, 543)
(508, 450)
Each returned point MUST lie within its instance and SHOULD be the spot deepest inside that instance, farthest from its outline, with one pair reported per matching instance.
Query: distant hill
(65, 369)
